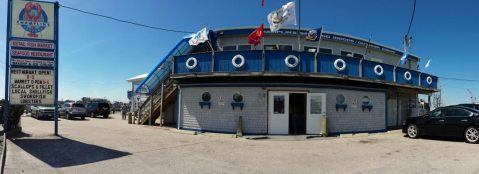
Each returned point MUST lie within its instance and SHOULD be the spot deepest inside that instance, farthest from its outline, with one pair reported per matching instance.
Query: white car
(42, 111)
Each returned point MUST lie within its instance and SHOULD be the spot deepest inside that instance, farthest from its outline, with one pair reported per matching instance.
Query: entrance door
(315, 110)
(278, 112)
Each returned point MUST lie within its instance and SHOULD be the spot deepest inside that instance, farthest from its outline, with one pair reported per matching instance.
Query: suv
(70, 110)
(42, 111)
(98, 108)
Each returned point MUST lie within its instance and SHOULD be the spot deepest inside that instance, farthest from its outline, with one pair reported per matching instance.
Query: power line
(125, 21)
(459, 79)
(412, 18)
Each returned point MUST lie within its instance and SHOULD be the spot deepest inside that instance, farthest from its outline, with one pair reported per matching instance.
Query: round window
(237, 97)
(366, 100)
(340, 99)
(206, 96)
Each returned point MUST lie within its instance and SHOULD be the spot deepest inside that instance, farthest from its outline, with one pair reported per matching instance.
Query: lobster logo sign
(33, 19)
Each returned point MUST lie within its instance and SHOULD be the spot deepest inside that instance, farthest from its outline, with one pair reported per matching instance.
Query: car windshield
(103, 105)
(78, 105)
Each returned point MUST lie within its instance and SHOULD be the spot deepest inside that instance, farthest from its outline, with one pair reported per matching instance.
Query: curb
(184, 132)
(209, 134)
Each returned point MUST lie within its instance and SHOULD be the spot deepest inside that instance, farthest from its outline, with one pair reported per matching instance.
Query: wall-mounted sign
(354, 103)
(221, 100)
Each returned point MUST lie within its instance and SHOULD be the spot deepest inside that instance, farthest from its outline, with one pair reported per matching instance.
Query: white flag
(427, 64)
(199, 37)
(286, 15)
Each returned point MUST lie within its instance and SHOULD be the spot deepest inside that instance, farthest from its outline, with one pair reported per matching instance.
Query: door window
(316, 104)
(278, 107)
(437, 113)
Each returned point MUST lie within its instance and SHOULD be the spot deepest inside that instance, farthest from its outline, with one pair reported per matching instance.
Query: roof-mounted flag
(427, 64)
(286, 15)
(255, 37)
(407, 45)
(314, 35)
(199, 37)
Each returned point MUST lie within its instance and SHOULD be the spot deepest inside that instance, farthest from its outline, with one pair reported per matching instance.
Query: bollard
(129, 118)
(239, 129)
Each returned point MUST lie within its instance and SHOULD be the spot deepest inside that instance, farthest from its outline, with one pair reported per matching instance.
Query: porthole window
(237, 97)
(366, 100)
(206, 96)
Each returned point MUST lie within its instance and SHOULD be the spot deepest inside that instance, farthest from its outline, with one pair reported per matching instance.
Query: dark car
(451, 121)
(98, 108)
(470, 105)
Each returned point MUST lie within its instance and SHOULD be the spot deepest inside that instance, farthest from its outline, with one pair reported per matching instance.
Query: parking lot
(98, 145)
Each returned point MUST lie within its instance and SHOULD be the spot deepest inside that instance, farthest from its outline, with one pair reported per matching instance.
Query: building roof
(137, 78)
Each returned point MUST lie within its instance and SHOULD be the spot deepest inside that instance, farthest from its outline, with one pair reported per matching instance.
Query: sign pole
(7, 69)
(57, 6)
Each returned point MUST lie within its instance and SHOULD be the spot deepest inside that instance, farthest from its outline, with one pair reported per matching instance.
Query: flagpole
(299, 25)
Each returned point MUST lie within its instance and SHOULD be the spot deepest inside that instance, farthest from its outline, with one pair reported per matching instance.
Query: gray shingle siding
(221, 118)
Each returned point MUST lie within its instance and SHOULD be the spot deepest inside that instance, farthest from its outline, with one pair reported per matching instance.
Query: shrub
(14, 114)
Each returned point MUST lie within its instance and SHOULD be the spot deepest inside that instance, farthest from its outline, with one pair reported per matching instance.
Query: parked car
(470, 105)
(450, 121)
(40, 112)
(98, 108)
(70, 110)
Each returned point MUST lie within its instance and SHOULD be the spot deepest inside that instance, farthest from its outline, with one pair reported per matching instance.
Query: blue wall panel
(275, 61)
(401, 80)
(307, 62)
(252, 61)
(424, 81)
(326, 65)
(368, 71)
(204, 63)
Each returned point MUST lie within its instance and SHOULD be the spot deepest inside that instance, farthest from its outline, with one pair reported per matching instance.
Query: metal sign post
(32, 56)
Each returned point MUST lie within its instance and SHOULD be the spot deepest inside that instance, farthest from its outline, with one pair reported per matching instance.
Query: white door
(315, 110)
(278, 112)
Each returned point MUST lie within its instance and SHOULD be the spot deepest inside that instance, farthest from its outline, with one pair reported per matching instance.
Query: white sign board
(32, 86)
(221, 100)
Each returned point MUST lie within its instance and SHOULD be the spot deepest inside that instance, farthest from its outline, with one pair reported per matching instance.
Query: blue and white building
(282, 87)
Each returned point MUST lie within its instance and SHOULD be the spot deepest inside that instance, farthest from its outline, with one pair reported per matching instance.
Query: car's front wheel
(412, 131)
(67, 115)
(471, 134)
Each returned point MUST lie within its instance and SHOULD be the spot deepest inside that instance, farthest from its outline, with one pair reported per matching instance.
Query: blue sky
(97, 55)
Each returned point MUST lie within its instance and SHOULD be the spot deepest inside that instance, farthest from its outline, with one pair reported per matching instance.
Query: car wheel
(82, 117)
(412, 131)
(36, 116)
(471, 134)
(105, 116)
(67, 115)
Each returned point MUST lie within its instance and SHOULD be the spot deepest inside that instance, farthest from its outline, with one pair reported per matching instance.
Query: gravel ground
(97, 145)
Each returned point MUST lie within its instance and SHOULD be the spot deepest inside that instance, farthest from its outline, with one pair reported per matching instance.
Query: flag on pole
(427, 64)
(286, 15)
(314, 35)
(406, 44)
(199, 37)
(404, 58)
(255, 37)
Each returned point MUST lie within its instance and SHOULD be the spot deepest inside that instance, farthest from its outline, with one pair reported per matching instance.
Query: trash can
(130, 119)
(324, 126)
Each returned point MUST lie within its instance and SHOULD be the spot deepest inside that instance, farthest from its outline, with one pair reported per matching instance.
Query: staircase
(169, 93)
